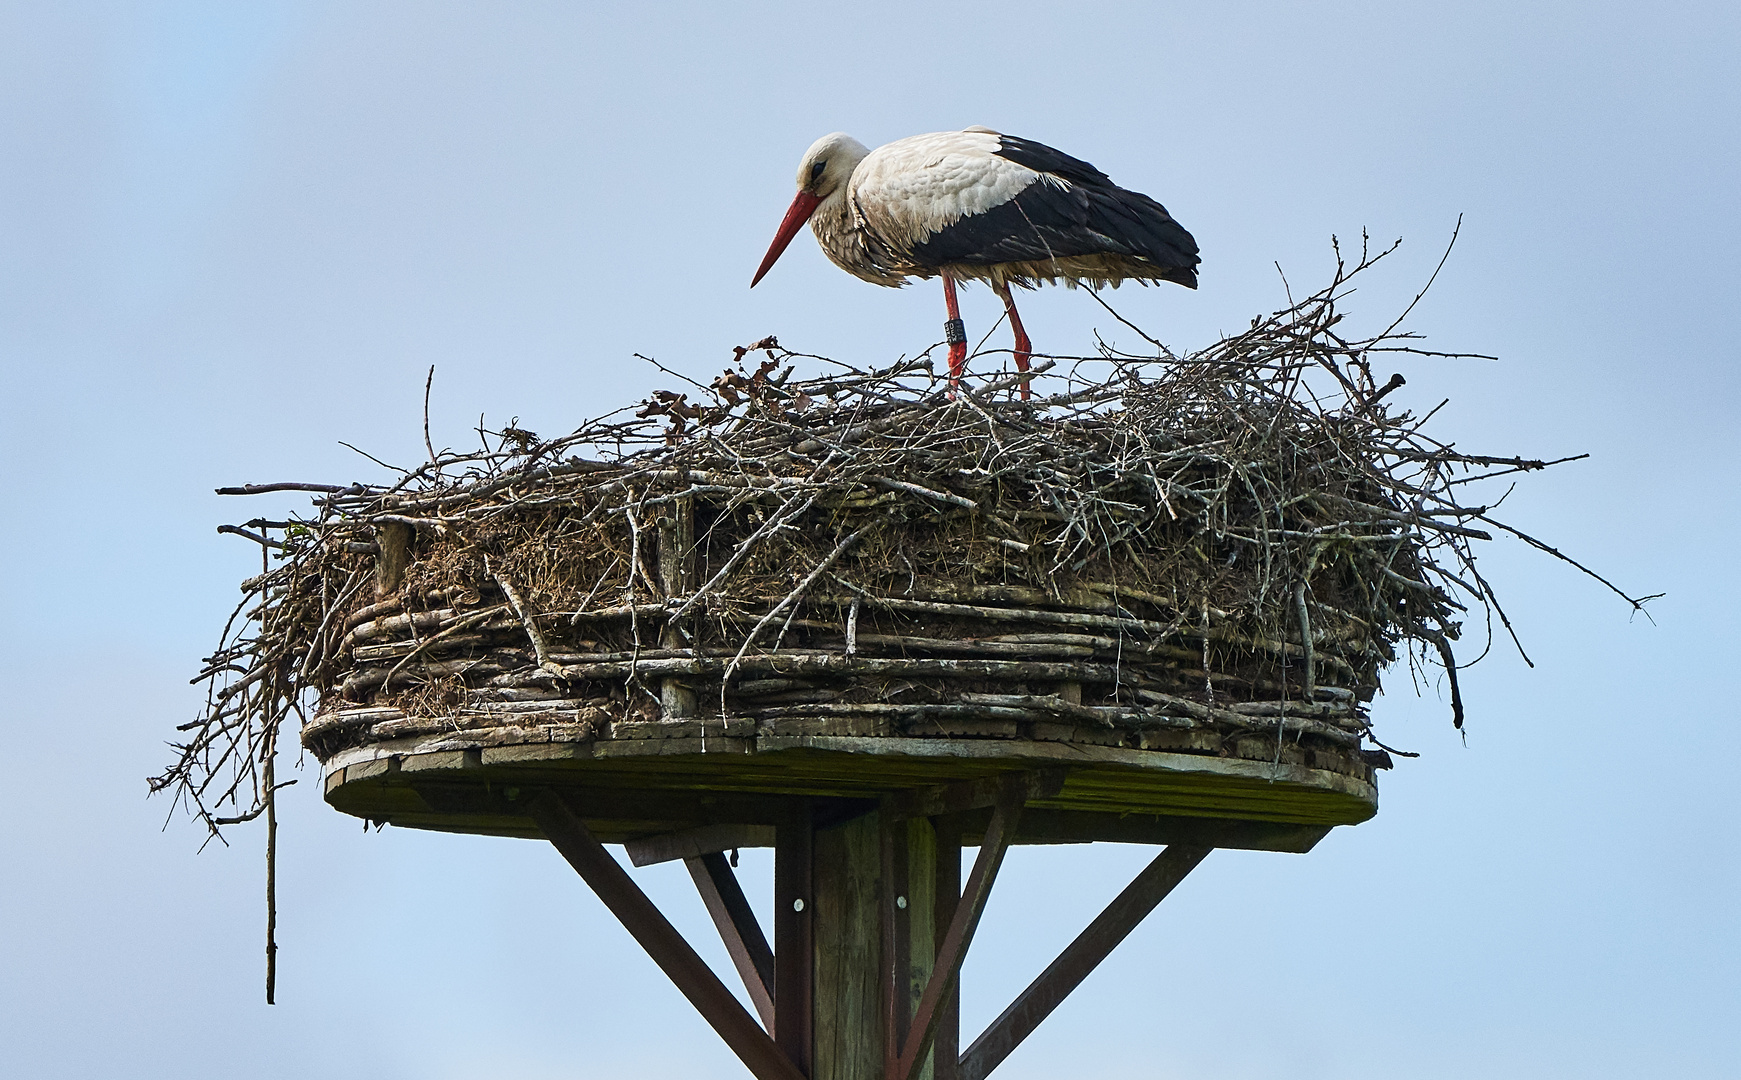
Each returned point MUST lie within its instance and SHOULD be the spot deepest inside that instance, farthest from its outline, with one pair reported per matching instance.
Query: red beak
(799, 212)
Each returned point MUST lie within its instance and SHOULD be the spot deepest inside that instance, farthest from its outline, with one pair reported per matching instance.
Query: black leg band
(954, 332)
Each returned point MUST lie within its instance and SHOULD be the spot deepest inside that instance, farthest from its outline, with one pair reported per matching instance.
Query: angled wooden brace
(1078, 959)
(738, 928)
(1006, 813)
(570, 836)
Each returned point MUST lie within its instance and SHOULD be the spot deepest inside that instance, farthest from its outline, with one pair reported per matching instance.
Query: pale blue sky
(231, 235)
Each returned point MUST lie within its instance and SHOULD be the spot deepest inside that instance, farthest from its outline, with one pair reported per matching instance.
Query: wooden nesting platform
(866, 725)
(867, 621)
(872, 918)
(692, 783)
(659, 726)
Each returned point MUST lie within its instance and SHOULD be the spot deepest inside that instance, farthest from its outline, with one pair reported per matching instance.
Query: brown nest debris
(1216, 553)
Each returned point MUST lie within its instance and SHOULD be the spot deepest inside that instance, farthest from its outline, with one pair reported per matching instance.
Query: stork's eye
(816, 171)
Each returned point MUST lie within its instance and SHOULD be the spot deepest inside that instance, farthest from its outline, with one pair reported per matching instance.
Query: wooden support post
(871, 928)
(946, 1041)
(1006, 813)
(897, 951)
(570, 836)
(1080, 958)
(677, 568)
(393, 540)
(849, 974)
(921, 915)
(794, 937)
(738, 928)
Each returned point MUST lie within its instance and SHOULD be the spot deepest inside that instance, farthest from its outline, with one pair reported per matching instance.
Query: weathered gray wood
(796, 664)
(677, 567)
(909, 873)
(848, 1010)
(392, 557)
(632, 788)
(694, 843)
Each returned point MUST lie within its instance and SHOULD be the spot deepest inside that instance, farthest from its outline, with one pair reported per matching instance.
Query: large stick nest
(1219, 553)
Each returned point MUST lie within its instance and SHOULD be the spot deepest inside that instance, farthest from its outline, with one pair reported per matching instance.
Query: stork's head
(828, 162)
(823, 172)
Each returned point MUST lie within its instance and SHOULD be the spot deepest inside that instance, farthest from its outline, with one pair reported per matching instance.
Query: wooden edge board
(1038, 828)
(1019, 751)
(963, 795)
(1014, 751)
(694, 843)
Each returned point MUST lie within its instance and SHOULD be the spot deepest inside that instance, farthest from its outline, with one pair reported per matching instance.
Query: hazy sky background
(234, 234)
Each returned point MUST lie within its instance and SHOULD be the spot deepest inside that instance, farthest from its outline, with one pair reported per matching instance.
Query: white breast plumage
(910, 190)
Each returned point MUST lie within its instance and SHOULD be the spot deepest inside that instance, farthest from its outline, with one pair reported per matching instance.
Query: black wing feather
(1087, 215)
(1042, 158)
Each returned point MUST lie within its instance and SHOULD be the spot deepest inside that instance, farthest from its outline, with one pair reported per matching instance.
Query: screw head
(901, 902)
(798, 905)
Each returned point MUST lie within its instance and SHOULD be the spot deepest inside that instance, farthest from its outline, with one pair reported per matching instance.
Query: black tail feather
(1145, 229)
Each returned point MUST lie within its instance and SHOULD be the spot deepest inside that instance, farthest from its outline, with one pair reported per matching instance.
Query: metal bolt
(901, 902)
(797, 905)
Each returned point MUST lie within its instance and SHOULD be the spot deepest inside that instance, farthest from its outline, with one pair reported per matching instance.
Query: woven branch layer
(1217, 554)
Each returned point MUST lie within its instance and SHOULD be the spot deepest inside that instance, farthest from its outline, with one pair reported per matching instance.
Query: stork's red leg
(954, 332)
(1024, 347)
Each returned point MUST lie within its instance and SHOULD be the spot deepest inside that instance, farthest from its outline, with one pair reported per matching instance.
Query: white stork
(982, 205)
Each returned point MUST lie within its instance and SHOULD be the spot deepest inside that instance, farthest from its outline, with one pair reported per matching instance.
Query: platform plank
(633, 789)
